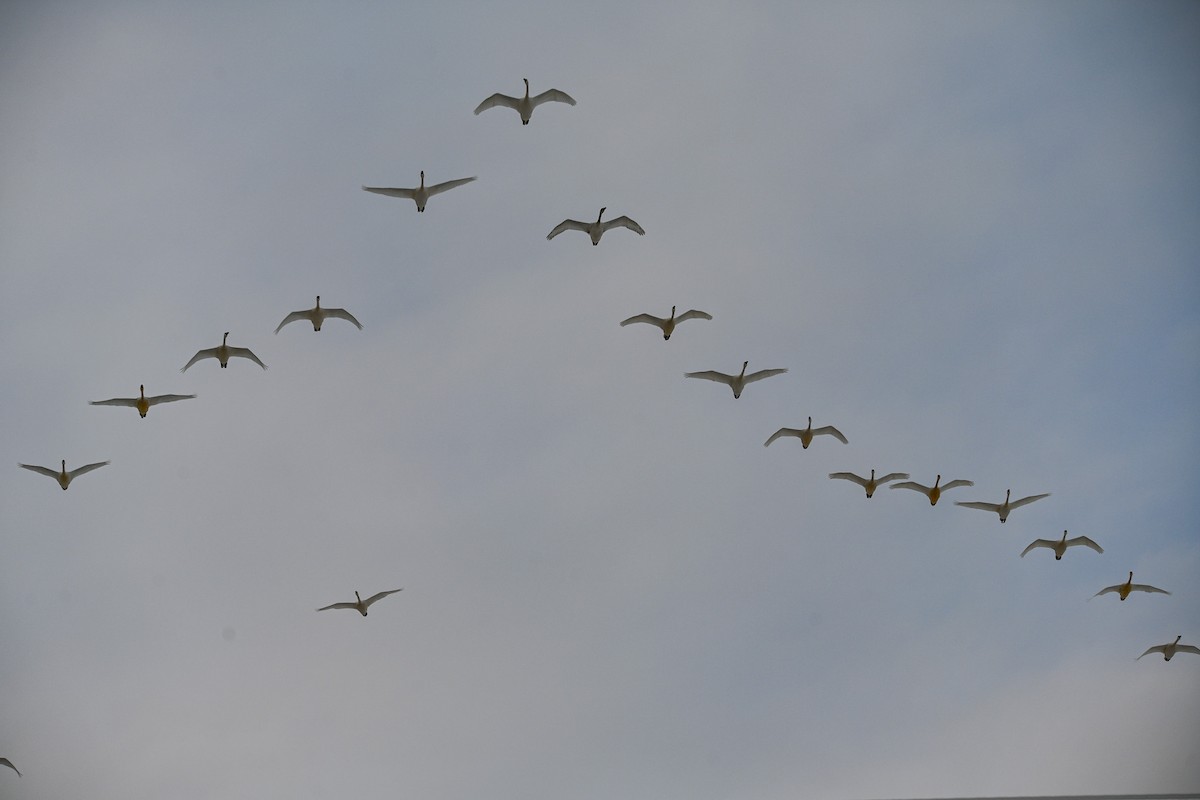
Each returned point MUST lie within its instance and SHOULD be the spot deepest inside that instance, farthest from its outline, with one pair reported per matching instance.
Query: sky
(968, 231)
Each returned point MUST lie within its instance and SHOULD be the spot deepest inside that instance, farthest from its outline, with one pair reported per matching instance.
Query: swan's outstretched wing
(75, 473)
(211, 352)
(834, 432)
(993, 507)
(9, 764)
(550, 95)
(782, 432)
(1162, 648)
(373, 598)
(1038, 543)
(244, 352)
(956, 483)
(648, 318)
(763, 373)
(501, 100)
(340, 605)
(1024, 501)
(1143, 587)
(849, 476)
(891, 476)
(118, 401)
(622, 222)
(711, 375)
(166, 398)
(1108, 589)
(1086, 542)
(916, 487)
(51, 473)
(1187, 648)
(446, 186)
(295, 316)
(342, 313)
(567, 225)
(692, 314)
(405, 193)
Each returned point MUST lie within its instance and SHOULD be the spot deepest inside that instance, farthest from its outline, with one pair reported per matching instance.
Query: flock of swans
(420, 195)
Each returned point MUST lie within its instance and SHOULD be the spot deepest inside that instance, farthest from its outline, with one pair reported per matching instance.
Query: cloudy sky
(968, 230)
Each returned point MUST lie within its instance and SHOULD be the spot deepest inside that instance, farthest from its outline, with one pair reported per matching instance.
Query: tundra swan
(223, 353)
(1004, 508)
(736, 382)
(9, 764)
(141, 402)
(1168, 650)
(525, 105)
(422, 193)
(317, 315)
(668, 324)
(359, 604)
(1059, 546)
(64, 478)
(932, 492)
(596, 229)
(806, 434)
(1123, 589)
(870, 484)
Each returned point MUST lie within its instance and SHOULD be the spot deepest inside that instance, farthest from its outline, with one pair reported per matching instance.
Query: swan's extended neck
(1177, 638)
(745, 364)
(64, 463)
(526, 87)
(601, 214)
(422, 179)
(142, 390)
(318, 301)
(1064, 538)
(672, 312)
(936, 482)
(810, 423)
(225, 338)
(356, 597)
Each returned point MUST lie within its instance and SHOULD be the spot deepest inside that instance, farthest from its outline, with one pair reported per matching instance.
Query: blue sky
(967, 230)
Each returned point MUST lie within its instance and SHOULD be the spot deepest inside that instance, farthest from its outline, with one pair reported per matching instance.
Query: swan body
(525, 105)
(141, 402)
(359, 604)
(667, 325)
(806, 434)
(735, 382)
(317, 315)
(1003, 509)
(223, 352)
(422, 193)
(1169, 649)
(932, 492)
(1059, 546)
(870, 484)
(9, 764)
(596, 229)
(1123, 590)
(63, 477)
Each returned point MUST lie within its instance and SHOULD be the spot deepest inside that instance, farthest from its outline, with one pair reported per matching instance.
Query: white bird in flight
(316, 315)
(9, 764)
(932, 492)
(870, 484)
(141, 402)
(806, 434)
(422, 193)
(1003, 509)
(63, 477)
(525, 105)
(1059, 546)
(1171, 648)
(1123, 589)
(223, 352)
(359, 604)
(667, 325)
(596, 229)
(735, 382)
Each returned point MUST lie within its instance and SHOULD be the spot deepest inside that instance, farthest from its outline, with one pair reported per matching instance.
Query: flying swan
(596, 229)
(422, 193)
(1169, 649)
(525, 105)
(9, 764)
(64, 478)
(317, 315)
(223, 353)
(736, 382)
(932, 492)
(1059, 546)
(1004, 508)
(359, 604)
(806, 434)
(667, 325)
(1123, 589)
(870, 484)
(141, 402)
